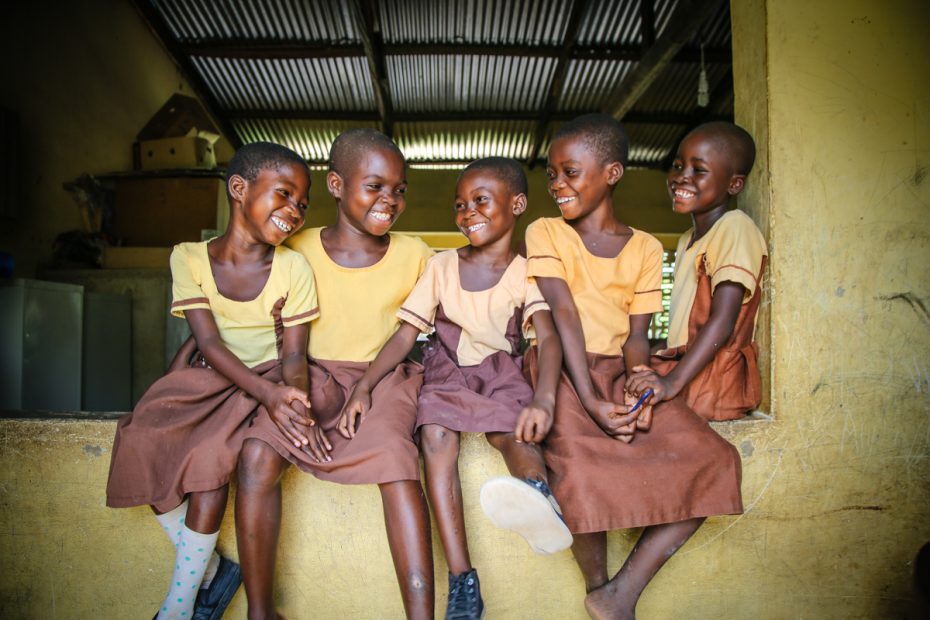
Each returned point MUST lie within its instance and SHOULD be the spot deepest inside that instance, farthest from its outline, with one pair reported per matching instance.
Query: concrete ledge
(66, 555)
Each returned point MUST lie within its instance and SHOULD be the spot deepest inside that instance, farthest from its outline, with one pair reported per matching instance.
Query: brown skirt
(184, 436)
(679, 469)
(382, 450)
(486, 398)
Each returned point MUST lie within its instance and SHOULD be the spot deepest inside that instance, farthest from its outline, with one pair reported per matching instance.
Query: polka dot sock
(172, 523)
(194, 551)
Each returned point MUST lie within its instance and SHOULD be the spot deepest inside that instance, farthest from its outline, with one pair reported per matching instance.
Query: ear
(237, 187)
(519, 204)
(737, 183)
(614, 172)
(334, 184)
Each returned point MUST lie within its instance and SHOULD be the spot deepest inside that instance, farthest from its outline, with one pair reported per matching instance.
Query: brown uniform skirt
(184, 436)
(679, 469)
(382, 450)
(486, 398)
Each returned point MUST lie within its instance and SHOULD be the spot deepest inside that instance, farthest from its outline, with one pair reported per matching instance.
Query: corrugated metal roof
(296, 71)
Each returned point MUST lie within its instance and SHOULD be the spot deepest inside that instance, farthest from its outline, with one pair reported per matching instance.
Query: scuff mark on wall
(93, 450)
(915, 302)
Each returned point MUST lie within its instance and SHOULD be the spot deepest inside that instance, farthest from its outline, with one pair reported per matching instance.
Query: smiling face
(275, 202)
(702, 178)
(371, 194)
(486, 208)
(578, 181)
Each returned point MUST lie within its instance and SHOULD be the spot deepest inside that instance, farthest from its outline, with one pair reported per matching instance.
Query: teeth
(562, 201)
(284, 226)
(381, 216)
(475, 227)
(683, 193)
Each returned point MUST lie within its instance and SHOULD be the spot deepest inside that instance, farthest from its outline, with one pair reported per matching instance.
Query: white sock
(212, 566)
(194, 553)
(172, 522)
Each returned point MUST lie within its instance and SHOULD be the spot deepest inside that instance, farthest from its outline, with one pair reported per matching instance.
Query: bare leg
(406, 519)
(525, 461)
(655, 546)
(440, 448)
(590, 551)
(258, 523)
(206, 509)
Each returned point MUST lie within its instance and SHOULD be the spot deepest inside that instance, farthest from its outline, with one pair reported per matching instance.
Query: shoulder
(542, 224)
(291, 258)
(188, 253)
(410, 245)
(646, 242)
(736, 226)
(303, 241)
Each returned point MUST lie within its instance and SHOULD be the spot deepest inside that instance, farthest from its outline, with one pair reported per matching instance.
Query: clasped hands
(621, 421)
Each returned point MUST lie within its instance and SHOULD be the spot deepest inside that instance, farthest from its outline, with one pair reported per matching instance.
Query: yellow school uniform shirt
(483, 316)
(358, 304)
(606, 290)
(733, 249)
(247, 328)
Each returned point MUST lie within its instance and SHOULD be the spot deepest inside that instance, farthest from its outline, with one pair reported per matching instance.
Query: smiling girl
(475, 303)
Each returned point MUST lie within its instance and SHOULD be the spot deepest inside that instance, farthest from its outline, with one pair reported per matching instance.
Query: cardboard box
(163, 211)
(173, 153)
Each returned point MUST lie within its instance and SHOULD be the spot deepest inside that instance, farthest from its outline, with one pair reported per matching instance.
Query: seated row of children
(587, 418)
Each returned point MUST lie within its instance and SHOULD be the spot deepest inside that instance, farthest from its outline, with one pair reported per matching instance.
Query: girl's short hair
(600, 133)
(350, 144)
(251, 159)
(504, 168)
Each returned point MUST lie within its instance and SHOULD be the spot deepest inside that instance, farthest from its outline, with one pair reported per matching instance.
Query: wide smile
(474, 227)
(564, 200)
(281, 224)
(683, 194)
(381, 216)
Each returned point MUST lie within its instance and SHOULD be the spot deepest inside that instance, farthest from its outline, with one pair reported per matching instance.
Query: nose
(556, 183)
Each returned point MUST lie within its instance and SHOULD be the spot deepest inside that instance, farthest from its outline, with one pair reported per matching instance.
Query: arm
(724, 310)
(392, 353)
(611, 417)
(277, 399)
(636, 355)
(295, 372)
(536, 418)
(182, 358)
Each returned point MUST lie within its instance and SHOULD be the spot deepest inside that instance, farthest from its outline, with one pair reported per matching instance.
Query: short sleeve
(419, 309)
(647, 293)
(533, 303)
(735, 254)
(301, 305)
(425, 253)
(543, 261)
(186, 290)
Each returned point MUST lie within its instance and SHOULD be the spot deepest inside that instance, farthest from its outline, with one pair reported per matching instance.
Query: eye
(401, 190)
(550, 173)
(481, 199)
(459, 206)
(375, 187)
(571, 172)
(303, 206)
(700, 170)
(284, 192)
(676, 166)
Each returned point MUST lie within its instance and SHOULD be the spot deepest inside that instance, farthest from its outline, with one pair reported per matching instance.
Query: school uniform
(186, 432)
(733, 250)
(357, 317)
(473, 377)
(678, 469)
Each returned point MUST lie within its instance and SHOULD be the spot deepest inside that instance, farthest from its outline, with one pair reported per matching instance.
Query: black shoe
(211, 602)
(465, 602)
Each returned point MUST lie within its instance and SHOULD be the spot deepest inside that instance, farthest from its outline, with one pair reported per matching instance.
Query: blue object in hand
(642, 400)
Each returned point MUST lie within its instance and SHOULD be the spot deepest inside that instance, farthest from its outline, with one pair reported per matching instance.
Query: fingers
(319, 447)
(644, 421)
(520, 429)
(642, 368)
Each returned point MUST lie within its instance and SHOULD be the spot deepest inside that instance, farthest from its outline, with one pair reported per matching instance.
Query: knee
(417, 583)
(500, 440)
(259, 464)
(439, 441)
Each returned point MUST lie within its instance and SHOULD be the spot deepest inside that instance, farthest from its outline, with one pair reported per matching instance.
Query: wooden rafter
(158, 26)
(688, 17)
(373, 43)
(649, 118)
(647, 18)
(273, 49)
(558, 78)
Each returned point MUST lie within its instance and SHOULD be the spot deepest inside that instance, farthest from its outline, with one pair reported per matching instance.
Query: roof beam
(558, 78)
(647, 23)
(366, 12)
(274, 48)
(714, 111)
(658, 118)
(152, 17)
(688, 17)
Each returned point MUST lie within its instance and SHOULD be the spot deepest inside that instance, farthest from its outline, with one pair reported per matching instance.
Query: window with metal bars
(658, 328)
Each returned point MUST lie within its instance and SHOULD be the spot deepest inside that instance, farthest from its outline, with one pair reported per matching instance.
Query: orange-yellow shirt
(482, 315)
(733, 249)
(358, 304)
(606, 290)
(247, 328)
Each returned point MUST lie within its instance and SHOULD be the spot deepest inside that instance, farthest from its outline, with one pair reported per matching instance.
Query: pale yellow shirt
(732, 249)
(358, 304)
(483, 316)
(606, 290)
(247, 328)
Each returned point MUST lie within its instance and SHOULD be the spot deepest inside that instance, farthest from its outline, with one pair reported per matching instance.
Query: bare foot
(604, 603)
